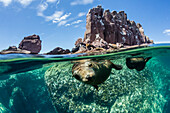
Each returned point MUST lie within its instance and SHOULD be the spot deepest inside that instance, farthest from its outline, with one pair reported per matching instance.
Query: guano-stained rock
(113, 27)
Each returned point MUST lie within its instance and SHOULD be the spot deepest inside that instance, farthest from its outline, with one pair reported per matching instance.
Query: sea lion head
(93, 72)
(84, 71)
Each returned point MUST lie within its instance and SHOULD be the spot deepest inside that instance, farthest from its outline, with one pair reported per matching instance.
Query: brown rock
(14, 49)
(79, 40)
(81, 49)
(113, 27)
(31, 43)
(94, 24)
(99, 42)
(58, 50)
(148, 40)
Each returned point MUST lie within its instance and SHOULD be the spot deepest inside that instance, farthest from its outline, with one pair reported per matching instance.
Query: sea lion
(137, 63)
(93, 72)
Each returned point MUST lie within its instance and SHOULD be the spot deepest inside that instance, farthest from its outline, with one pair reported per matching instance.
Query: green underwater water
(33, 84)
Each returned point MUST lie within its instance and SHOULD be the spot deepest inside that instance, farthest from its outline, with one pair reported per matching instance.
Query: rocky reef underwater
(124, 91)
(52, 89)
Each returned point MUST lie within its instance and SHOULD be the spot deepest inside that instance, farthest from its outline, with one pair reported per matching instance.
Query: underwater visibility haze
(45, 84)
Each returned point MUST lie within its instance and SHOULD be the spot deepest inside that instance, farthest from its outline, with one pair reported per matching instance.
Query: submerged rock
(3, 109)
(124, 91)
(31, 43)
(25, 93)
(19, 106)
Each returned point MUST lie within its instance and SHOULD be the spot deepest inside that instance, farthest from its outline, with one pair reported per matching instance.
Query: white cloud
(51, 1)
(167, 32)
(56, 16)
(41, 8)
(64, 17)
(6, 2)
(62, 23)
(81, 2)
(24, 2)
(76, 26)
(81, 14)
(75, 22)
(67, 25)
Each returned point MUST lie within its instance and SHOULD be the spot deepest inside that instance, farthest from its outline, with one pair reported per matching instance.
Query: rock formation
(14, 49)
(31, 43)
(58, 50)
(79, 40)
(113, 27)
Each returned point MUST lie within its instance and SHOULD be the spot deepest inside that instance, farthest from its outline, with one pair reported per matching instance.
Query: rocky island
(105, 32)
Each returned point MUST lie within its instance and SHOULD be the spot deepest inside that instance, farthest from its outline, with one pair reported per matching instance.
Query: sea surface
(44, 84)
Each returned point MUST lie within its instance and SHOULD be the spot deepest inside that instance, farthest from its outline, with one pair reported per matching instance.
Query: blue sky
(60, 22)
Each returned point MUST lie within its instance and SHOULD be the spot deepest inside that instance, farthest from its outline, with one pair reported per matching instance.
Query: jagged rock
(100, 43)
(94, 24)
(58, 50)
(79, 47)
(113, 27)
(82, 49)
(148, 40)
(14, 49)
(79, 40)
(75, 49)
(31, 43)
(105, 28)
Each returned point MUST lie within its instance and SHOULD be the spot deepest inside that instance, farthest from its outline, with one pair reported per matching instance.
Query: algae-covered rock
(3, 109)
(25, 93)
(124, 91)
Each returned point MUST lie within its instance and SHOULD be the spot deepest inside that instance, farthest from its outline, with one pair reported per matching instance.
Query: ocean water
(44, 84)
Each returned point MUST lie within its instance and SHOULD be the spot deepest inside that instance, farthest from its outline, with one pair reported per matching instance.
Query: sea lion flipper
(141, 65)
(117, 67)
(96, 87)
(147, 59)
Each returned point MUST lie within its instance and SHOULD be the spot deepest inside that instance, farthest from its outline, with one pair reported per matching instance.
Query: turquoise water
(44, 84)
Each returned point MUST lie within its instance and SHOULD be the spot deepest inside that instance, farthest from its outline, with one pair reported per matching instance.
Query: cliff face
(113, 27)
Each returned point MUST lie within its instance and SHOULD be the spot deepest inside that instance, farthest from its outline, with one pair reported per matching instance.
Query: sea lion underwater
(137, 63)
(93, 72)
